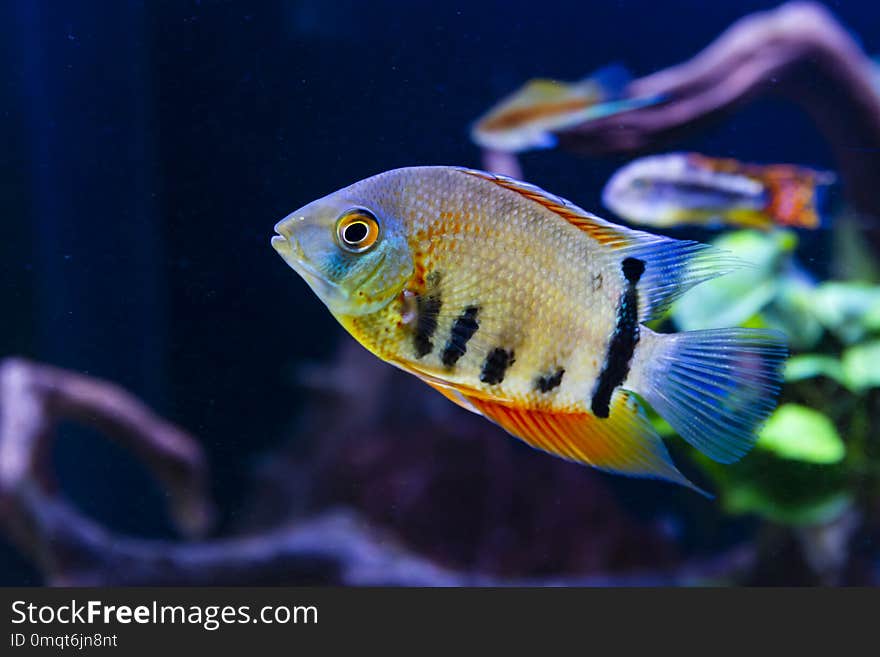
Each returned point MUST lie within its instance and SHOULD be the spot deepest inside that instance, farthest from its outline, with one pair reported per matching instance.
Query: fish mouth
(290, 251)
(374, 272)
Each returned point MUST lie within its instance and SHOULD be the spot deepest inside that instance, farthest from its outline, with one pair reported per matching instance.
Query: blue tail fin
(621, 105)
(714, 387)
(613, 79)
(823, 201)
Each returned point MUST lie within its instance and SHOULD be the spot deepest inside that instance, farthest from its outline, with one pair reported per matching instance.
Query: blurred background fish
(527, 118)
(689, 188)
(875, 73)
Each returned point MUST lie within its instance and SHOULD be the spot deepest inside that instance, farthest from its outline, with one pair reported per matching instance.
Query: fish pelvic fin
(623, 443)
(714, 387)
(797, 197)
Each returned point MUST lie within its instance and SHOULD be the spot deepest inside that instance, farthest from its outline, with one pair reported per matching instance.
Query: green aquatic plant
(816, 452)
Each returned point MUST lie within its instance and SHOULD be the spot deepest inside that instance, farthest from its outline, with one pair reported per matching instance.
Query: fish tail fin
(622, 105)
(822, 200)
(714, 387)
(611, 79)
(798, 198)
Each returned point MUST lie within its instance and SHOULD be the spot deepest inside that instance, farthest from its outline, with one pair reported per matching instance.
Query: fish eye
(357, 230)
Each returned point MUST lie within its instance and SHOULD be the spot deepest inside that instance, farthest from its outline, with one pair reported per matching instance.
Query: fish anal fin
(624, 443)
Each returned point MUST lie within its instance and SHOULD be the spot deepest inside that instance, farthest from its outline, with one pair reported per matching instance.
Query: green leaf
(801, 434)
(780, 490)
(747, 499)
(853, 258)
(735, 298)
(808, 366)
(871, 319)
(849, 310)
(727, 301)
(792, 310)
(861, 366)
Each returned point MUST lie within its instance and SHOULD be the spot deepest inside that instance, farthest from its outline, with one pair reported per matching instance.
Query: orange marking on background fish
(792, 196)
(791, 189)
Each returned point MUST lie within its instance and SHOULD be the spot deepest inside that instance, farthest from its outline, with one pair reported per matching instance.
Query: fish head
(354, 257)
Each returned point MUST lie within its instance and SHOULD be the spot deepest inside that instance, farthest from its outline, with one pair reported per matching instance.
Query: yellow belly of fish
(543, 304)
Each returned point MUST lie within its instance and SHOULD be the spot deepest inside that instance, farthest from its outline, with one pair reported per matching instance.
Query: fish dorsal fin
(624, 442)
(671, 267)
(602, 231)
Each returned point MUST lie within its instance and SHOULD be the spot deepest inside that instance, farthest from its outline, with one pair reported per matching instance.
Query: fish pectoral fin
(452, 394)
(461, 395)
(624, 442)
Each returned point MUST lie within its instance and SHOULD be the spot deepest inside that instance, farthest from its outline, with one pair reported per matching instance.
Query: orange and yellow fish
(517, 305)
(528, 118)
(688, 188)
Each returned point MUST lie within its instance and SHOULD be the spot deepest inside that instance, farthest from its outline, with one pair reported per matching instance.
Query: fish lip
(374, 271)
(280, 225)
(291, 252)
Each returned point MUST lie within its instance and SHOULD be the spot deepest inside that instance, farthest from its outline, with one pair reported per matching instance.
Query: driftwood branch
(337, 547)
(334, 547)
(35, 398)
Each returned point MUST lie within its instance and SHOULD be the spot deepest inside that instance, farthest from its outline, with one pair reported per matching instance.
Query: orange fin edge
(624, 443)
(600, 230)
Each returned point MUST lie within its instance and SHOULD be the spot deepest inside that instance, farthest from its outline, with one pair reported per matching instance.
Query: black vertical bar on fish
(548, 383)
(495, 366)
(623, 340)
(462, 331)
(427, 308)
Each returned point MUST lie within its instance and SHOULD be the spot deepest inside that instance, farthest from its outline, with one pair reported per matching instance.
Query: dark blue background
(149, 147)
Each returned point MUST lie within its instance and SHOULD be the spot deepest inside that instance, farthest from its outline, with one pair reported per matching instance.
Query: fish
(675, 189)
(520, 306)
(527, 118)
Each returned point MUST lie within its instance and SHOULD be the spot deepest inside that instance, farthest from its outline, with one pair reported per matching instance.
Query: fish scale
(538, 317)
